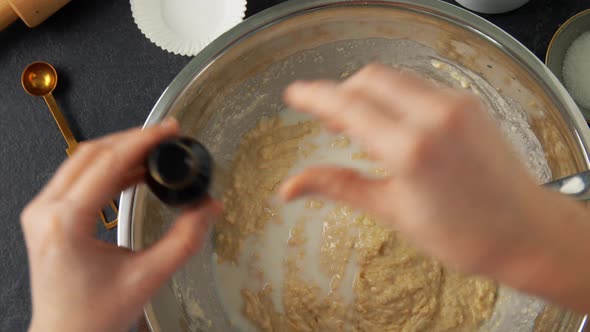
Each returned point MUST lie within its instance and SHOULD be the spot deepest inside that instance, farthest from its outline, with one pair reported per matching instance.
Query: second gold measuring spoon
(39, 79)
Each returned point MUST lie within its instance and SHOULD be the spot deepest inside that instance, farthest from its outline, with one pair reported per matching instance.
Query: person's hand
(455, 188)
(79, 283)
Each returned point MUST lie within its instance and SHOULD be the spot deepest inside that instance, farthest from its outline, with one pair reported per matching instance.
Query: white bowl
(492, 6)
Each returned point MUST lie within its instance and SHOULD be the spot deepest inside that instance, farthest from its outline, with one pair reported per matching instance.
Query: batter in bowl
(314, 265)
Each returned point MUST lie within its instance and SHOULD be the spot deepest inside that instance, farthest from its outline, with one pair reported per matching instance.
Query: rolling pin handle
(7, 14)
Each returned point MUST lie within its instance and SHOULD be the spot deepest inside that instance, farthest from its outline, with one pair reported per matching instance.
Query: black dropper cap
(179, 171)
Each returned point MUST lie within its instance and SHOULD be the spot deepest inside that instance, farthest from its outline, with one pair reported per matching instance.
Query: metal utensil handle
(113, 223)
(72, 144)
(60, 120)
(577, 186)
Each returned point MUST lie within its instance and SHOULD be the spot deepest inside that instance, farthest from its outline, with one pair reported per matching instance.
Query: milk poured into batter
(315, 265)
(271, 247)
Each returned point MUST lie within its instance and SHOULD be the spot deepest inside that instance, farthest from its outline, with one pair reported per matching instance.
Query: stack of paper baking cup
(185, 27)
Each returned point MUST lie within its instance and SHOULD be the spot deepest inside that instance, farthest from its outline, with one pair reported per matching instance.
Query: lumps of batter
(264, 158)
(323, 266)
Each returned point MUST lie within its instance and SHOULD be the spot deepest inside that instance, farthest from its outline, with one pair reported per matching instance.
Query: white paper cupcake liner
(185, 27)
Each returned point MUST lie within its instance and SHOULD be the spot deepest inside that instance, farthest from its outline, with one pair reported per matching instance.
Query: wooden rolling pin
(32, 12)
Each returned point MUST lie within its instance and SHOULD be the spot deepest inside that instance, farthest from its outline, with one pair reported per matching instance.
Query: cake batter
(320, 266)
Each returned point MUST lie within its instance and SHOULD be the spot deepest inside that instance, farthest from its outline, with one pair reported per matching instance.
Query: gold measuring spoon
(39, 79)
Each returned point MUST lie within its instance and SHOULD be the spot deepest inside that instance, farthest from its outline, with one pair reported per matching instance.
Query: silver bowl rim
(573, 117)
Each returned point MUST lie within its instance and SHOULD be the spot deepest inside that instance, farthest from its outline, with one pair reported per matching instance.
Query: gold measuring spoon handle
(113, 223)
(62, 123)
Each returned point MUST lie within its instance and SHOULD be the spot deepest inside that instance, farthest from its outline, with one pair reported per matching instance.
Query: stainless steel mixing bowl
(238, 79)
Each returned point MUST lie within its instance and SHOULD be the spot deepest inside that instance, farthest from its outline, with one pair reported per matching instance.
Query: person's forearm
(555, 262)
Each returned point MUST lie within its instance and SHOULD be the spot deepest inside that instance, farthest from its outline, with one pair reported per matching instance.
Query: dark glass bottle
(179, 171)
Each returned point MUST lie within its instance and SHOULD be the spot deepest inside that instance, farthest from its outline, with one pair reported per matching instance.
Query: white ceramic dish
(492, 6)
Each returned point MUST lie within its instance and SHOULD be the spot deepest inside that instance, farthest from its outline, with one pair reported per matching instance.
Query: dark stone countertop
(110, 77)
